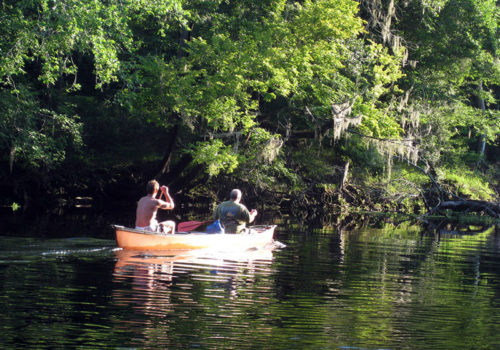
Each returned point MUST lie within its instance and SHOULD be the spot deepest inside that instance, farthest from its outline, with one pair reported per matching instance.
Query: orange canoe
(257, 237)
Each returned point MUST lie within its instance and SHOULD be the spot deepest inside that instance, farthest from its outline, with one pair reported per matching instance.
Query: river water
(368, 288)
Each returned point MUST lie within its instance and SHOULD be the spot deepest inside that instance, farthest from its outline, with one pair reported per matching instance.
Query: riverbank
(332, 199)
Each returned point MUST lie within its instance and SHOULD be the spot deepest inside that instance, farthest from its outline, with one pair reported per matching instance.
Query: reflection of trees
(53, 296)
(381, 286)
(456, 228)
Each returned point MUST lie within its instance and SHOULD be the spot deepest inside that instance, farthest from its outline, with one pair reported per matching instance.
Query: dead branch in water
(467, 206)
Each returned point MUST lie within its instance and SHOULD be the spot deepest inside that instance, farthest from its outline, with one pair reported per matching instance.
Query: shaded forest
(329, 105)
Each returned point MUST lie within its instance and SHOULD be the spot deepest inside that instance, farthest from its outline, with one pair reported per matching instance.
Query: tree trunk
(185, 35)
(482, 140)
(171, 138)
(346, 172)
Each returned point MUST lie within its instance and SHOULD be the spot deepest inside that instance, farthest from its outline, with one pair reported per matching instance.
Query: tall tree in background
(455, 47)
(43, 47)
(240, 58)
(450, 98)
(239, 86)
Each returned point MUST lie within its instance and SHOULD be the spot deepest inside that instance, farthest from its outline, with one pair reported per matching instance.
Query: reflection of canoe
(126, 257)
(258, 237)
(158, 257)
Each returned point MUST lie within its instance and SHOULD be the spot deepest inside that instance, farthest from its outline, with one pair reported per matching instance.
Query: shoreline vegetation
(344, 206)
(323, 107)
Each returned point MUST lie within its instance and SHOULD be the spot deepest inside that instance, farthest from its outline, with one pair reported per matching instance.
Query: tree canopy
(275, 92)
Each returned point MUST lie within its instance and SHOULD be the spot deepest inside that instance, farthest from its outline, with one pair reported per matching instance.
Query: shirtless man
(147, 207)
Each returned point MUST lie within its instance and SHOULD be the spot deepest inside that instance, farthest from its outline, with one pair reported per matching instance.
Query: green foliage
(378, 123)
(15, 206)
(467, 183)
(405, 182)
(246, 83)
(465, 54)
(452, 86)
(319, 168)
(262, 164)
(366, 161)
(449, 133)
(275, 177)
(295, 51)
(44, 43)
(238, 56)
(52, 31)
(215, 156)
(327, 188)
(33, 135)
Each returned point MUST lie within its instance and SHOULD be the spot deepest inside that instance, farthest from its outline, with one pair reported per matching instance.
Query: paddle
(190, 225)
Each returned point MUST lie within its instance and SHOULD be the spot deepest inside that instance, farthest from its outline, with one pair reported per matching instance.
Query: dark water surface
(384, 288)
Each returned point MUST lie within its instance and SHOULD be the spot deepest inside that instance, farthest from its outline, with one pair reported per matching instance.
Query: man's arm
(247, 215)
(168, 203)
(253, 214)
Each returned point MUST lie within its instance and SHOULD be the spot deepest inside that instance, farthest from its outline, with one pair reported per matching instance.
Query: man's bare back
(146, 211)
(148, 206)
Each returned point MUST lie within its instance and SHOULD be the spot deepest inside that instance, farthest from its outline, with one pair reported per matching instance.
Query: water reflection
(200, 289)
(152, 271)
(401, 287)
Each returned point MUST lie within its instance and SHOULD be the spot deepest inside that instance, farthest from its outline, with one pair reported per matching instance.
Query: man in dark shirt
(233, 215)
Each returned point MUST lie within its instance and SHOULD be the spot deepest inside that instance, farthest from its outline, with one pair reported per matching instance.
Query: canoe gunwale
(162, 234)
(146, 232)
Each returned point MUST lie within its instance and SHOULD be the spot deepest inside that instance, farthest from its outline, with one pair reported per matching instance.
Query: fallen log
(492, 209)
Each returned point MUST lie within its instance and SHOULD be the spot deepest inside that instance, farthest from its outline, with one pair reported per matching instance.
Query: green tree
(455, 76)
(44, 45)
(451, 77)
(246, 70)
